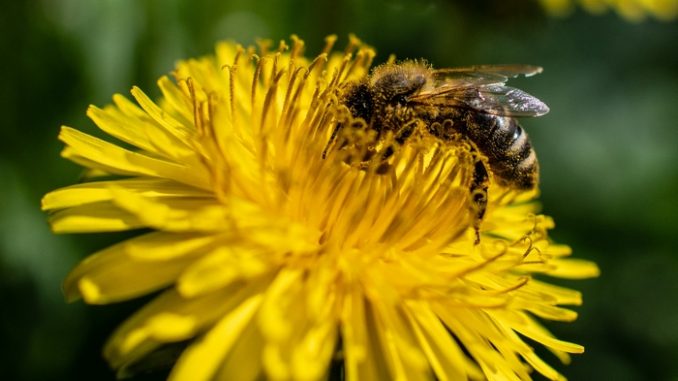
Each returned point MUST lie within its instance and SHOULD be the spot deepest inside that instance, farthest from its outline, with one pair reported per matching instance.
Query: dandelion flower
(270, 261)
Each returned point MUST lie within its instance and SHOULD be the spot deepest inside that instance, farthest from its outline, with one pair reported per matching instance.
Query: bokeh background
(608, 149)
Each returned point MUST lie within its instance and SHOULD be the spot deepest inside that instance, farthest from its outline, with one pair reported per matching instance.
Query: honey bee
(471, 102)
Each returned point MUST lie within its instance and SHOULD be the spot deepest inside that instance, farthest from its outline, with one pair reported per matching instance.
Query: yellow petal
(244, 362)
(446, 358)
(526, 326)
(549, 292)
(364, 359)
(179, 132)
(403, 357)
(99, 154)
(86, 193)
(483, 339)
(178, 215)
(549, 312)
(275, 363)
(111, 275)
(138, 130)
(161, 246)
(202, 359)
(542, 367)
(312, 353)
(304, 350)
(283, 292)
(141, 333)
(573, 269)
(177, 100)
(222, 267)
(95, 217)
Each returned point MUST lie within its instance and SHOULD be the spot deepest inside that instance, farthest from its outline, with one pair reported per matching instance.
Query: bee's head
(394, 83)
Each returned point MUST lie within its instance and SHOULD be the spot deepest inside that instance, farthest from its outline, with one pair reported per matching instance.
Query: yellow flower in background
(273, 262)
(632, 10)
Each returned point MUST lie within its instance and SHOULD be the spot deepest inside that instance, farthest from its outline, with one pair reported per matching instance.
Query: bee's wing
(482, 88)
(492, 99)
(483, 74)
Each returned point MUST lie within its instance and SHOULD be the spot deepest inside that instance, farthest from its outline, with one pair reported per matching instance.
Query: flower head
(272, 261)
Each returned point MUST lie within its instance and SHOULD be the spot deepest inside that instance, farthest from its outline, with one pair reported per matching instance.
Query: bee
(471, 102)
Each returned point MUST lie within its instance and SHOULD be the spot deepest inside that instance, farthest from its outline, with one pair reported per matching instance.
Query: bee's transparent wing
(482, 88)
(510, 70)
(492, 99)
(481, 75)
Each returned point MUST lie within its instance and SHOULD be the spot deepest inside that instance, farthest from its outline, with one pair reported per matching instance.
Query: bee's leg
(388, 152)
(479, 185)
(384, 165)
(404, 133)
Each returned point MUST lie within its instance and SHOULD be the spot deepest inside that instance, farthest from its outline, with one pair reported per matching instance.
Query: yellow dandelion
(273, 262)
(632, 10)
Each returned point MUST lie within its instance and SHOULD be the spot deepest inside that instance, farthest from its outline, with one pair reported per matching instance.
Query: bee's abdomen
(507, 148)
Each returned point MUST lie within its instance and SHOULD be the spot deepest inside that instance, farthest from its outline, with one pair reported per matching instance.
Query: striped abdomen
(506, 145)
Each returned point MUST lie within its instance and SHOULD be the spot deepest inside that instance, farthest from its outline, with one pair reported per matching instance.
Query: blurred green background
(608, 149)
